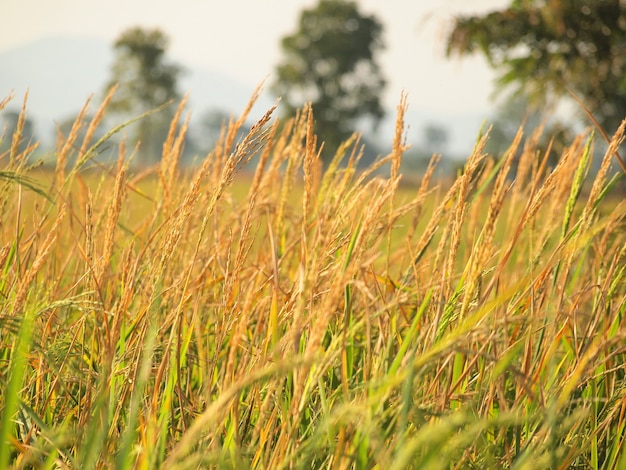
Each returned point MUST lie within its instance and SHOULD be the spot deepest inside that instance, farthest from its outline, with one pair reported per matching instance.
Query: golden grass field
(308, 316)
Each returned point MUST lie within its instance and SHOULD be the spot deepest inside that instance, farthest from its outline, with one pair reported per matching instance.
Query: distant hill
(62, 72)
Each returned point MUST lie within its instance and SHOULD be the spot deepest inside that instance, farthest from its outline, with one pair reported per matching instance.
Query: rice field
(309, 315)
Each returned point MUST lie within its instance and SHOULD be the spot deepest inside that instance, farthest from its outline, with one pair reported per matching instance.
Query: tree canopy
(331, 61)
(146, 80)
(9, 123)
(543, 48)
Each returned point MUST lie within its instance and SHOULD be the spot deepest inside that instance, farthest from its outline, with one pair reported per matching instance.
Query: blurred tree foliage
(544, 47)
(435, 138)
(331, 62)
(9, 120)
(206, 131)
(516, 112)
(64, 127)
(146, 81)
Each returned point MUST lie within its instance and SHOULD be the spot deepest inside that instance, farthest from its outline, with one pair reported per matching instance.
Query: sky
(241, 38)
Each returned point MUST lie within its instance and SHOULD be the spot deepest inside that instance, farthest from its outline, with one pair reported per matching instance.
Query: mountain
(62, 72)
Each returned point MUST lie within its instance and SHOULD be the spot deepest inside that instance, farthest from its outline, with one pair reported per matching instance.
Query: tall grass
(329, 318)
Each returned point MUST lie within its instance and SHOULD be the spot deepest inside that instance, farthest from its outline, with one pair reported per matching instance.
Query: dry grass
(327, 319)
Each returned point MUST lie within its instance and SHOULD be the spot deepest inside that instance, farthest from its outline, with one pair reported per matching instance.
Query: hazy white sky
(240, 38)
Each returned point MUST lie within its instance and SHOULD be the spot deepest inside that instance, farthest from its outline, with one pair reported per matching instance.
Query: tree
(207, 130)
(8, 126)
(64, 128)
(545, 47)
(146, 81)
(435, 138)
(516, 112)
(331, 62)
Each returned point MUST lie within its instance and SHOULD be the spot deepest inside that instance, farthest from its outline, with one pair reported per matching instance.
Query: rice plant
(310, 315)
